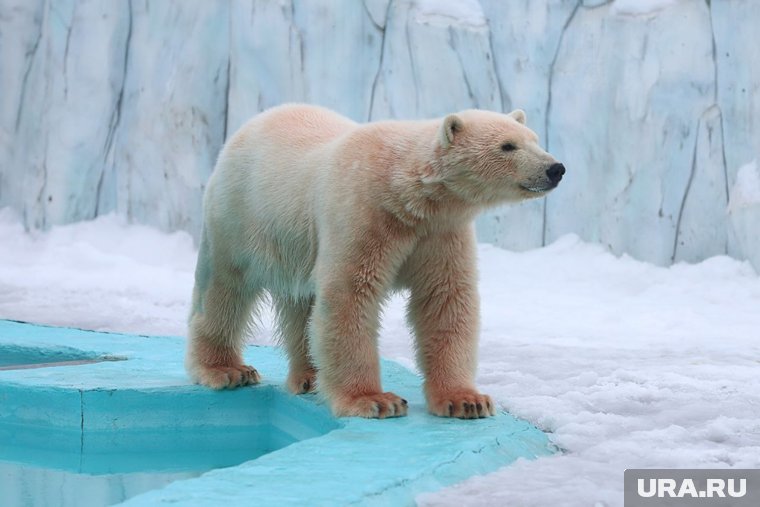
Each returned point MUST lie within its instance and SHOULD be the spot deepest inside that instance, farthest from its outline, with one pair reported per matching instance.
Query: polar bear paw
(227, 377)
(373, 406)
(461, 403)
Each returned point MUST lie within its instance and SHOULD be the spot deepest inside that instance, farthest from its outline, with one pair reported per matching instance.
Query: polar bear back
(260, 202)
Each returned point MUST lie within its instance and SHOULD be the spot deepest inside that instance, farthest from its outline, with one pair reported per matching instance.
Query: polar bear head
(487, 158)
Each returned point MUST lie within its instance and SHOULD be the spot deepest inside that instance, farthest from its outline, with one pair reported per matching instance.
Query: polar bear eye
(508, 147)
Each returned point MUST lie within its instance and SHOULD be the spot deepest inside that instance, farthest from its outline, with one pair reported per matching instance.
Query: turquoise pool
(129, 442)
(92, 418)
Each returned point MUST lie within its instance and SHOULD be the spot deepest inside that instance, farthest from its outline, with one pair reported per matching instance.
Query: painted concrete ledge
(122, 403)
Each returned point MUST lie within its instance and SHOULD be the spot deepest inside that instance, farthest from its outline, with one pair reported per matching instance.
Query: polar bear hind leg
(222, 304)
(292, 319)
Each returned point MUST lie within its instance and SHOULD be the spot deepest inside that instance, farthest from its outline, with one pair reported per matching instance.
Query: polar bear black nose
(555, 172)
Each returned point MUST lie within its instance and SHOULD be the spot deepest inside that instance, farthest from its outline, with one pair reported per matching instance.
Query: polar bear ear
(518, 115)
(452, 125)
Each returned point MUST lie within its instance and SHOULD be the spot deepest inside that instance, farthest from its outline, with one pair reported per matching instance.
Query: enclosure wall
(652, 106)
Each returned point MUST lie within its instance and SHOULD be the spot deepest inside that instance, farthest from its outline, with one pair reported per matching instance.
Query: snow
(448, 12)
(744, 211)
(625, 364)
(101, 275)
(746, 190)
(640, 7)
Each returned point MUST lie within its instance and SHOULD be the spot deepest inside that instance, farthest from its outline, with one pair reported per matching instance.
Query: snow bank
(102, 275)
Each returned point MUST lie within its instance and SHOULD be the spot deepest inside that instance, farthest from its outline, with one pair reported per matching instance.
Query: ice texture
(651, 105)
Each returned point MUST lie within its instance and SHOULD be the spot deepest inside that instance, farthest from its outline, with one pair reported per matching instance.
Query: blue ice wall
(653, 106)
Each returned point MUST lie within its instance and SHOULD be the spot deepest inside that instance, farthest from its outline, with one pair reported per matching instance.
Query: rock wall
(652, 106)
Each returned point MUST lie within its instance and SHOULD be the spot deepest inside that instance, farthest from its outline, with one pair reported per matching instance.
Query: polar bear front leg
(444, 312)
(352, 281)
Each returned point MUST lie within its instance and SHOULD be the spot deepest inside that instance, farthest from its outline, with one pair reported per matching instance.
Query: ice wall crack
(383, 42)
(116, 114)
(716, 82)
(504, 98)
(413, 67)
(686, 191)
(549, 102)
(66, 53)
(467, 84)
(227, 98)
(30, 55)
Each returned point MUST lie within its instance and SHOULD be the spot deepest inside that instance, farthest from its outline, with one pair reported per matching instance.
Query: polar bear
(329, 216)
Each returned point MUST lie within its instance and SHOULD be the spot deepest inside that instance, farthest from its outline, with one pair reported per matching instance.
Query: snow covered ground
(626, 364)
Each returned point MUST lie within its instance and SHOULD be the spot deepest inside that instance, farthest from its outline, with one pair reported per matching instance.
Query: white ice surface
(626, 364)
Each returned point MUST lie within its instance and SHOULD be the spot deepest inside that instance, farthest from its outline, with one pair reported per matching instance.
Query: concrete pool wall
(89, 405)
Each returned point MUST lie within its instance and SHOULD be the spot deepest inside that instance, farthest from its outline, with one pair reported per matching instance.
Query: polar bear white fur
(329, 216)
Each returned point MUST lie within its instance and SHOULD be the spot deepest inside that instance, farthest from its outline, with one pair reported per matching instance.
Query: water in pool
(50, 479)
(24, 485)
(32, 477)
(50, 466)
(67, 441)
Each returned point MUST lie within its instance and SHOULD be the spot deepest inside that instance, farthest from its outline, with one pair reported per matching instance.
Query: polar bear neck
(416, 194)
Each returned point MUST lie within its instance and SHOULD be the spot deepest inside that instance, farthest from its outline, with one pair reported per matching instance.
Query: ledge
(141, 413)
